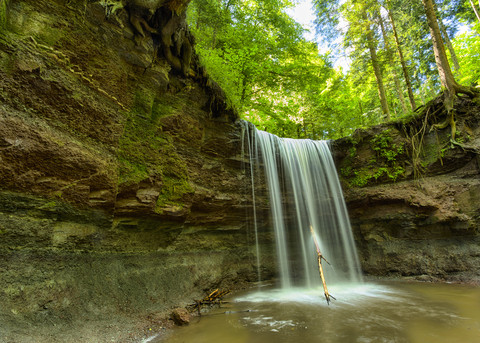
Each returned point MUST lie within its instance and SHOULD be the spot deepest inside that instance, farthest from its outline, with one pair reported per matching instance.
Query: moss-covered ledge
(413, 195)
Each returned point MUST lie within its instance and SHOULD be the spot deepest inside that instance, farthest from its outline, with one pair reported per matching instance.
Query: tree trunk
(449, 85)
(475, 9)
(214, 38)
(446, 40)
(444, 70)
(398, 87)
(361, 113)
(377, 70)
(411, 97)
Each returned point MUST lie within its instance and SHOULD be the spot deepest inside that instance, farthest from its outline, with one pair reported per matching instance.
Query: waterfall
(304, 191)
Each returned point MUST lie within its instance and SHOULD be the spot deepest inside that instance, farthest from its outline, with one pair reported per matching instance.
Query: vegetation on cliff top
(283, 84)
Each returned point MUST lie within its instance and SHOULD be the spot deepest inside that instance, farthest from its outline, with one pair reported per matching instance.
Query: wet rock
(424, 227)
(180, 316)
(101, 148)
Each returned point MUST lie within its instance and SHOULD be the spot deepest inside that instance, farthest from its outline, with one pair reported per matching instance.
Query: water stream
(397, 312)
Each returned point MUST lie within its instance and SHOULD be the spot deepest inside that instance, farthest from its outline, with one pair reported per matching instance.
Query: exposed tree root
(466, 147)
(449, 99)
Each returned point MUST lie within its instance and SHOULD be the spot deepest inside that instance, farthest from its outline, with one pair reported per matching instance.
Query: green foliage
(276, 79)
(467, 48)
(388, 153)
(3, 14)
(281, 83)
(385, 165)
(385, 148)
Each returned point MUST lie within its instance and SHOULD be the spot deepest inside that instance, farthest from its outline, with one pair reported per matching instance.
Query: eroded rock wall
(121, 182)
(122, 189)
(413, 195)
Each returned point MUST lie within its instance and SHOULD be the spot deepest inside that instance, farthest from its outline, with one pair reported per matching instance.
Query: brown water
(395, 312)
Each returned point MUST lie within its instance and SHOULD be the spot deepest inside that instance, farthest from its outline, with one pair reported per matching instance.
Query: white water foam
(346, 294)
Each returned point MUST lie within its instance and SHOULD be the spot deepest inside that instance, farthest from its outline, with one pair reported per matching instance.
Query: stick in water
(320, 268)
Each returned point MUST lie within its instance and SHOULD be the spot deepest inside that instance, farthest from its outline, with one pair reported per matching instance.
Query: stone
(180, 316)
(147, 195)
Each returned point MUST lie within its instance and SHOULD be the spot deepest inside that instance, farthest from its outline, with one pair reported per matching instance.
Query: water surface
(394, 312)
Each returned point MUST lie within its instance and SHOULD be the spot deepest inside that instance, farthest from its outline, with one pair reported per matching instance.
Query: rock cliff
(121, 185)
(414, 195)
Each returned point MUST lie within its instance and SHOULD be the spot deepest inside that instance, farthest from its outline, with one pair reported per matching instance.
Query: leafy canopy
(282, 83)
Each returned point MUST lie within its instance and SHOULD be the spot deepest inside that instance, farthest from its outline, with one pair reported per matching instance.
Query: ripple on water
(395, 312)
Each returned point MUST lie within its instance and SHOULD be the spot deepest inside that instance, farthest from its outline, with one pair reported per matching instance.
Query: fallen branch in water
(320, 268)
(214, 298)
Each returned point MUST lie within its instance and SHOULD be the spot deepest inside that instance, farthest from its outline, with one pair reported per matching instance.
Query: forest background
(281, 82)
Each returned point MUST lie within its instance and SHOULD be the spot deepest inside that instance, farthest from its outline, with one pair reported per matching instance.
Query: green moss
(149, 106)
(173, 191)
(430, 153)
(143, 102)
(3, 15)
(159, 109)
(146, 152)
(132, 172)
(48, 205)
(385, 163)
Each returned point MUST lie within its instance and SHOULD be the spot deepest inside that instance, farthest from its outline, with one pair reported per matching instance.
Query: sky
(304, 15)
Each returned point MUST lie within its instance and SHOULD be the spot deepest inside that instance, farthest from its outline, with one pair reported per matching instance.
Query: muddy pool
(381, 312)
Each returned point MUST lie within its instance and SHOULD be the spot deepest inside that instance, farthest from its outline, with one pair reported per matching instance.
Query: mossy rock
(3, 14)
(378, 157)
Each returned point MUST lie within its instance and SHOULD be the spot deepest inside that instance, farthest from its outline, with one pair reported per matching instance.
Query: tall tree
(475, 9)
(450, 86)
(398, 44)
(446, 38)
(372, 47)
(390, 59)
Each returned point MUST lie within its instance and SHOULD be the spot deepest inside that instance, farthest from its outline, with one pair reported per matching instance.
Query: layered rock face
(121, 181)
(414, 196)
(123, 190)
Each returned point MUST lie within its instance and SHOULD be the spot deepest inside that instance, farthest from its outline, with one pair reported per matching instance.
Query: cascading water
(304, 191)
